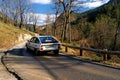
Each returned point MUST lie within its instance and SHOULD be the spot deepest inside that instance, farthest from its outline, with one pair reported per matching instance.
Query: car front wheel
(56, 52)
(27, 48)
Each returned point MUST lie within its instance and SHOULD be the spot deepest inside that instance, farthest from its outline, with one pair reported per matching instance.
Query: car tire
(36, 52)
(27, 49)
(41, 53)
(56, 52)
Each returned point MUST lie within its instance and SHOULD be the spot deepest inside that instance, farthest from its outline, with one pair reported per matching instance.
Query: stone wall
(23, 37)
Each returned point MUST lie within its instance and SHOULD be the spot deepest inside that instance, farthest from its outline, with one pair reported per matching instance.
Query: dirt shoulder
(4, 74)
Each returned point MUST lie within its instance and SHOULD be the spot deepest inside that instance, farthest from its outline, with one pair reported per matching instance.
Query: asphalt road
(4, 74)
(62, 67)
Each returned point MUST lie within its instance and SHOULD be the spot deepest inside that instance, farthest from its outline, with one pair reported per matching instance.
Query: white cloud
(86, 5)
(41, 1)
(41, 18)
(96, 3)
(92, 3)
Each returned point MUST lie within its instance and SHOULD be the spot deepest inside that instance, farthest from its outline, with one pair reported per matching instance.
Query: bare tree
(117, 32)
(5, 4)
(31, 19)
(35, 20)
(48, 21)
(55, 19)
(22, 8)
(14, 12)
(66, 7)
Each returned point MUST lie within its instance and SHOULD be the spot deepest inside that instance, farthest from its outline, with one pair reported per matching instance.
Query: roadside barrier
(105, 52)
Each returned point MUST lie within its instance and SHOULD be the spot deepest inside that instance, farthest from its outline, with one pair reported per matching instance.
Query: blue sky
(43, 7)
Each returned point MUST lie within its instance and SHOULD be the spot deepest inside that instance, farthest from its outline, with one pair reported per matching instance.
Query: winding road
(61, 67)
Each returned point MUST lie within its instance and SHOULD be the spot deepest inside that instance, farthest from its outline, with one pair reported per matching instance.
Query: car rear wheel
(36, 52)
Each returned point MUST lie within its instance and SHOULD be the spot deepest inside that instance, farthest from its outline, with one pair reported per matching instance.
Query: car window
(48, 40)
(37, 40)
(32, 39)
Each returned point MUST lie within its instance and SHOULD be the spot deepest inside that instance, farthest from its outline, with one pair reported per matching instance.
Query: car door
(36, 43)
(32, 43)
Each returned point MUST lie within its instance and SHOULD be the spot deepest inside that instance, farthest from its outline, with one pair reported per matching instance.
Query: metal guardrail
(100, 51)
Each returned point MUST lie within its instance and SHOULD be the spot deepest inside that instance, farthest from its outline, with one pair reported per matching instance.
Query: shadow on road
(17, 51)
(70, 67)
(92, 62)
(24, 52)
(51, 63)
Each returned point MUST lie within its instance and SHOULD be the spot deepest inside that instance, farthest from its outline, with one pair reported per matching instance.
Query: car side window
(37, 40)
(32, 39)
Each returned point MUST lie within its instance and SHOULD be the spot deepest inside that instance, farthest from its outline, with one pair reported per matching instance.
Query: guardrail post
(81, 51)
(66, 49)
(105, 56)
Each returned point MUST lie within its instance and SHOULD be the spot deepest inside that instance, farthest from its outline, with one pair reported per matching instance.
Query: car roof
(43, 36)
(46, 36)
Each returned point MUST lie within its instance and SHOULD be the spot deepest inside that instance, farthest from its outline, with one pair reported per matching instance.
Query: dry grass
(87, 55)
(70, 51)
(8, 35)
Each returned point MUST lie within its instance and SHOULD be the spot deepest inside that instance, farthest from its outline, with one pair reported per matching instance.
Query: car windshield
(48, 40)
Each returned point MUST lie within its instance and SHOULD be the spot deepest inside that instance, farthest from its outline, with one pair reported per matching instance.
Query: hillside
(98, 28)
(10, 35)
(106, 9)
(101, 26)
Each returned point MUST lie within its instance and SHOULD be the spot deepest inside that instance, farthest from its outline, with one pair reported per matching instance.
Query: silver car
(42, 44)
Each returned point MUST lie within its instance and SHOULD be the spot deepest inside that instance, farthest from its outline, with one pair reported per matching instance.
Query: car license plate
(50, 46)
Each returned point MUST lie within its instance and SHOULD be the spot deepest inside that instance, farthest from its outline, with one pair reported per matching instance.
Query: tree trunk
(116, 36)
